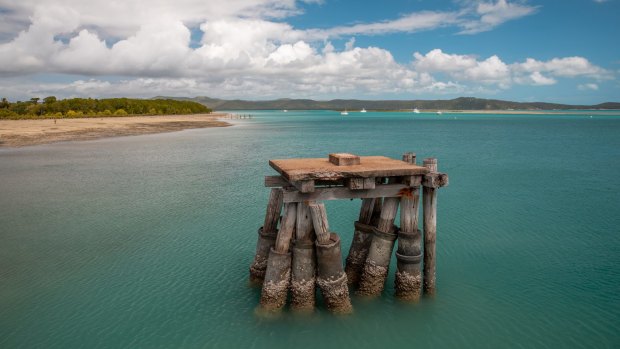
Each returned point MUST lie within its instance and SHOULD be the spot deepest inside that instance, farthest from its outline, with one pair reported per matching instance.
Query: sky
(521, 50)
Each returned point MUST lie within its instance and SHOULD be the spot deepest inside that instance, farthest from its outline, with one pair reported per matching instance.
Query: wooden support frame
(339, 193)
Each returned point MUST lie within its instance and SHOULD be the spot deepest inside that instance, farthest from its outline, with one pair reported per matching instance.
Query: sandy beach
(18, 133)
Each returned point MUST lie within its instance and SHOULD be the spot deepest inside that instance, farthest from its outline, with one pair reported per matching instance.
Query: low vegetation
(52, 108)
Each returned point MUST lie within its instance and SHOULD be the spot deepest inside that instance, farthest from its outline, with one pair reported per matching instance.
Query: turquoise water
(145, 241)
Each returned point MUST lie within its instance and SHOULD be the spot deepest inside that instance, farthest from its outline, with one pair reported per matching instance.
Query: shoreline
(20, 133)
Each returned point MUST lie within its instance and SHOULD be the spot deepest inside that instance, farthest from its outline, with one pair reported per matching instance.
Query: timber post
(408, 280)
(331, 277)
(432, 181)
(362, 237)
(303, 253)
(266, 237)
(380, 251)
(303, 278)
(278, 274)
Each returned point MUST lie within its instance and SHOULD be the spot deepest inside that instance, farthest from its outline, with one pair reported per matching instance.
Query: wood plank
(272, 215)
(337, 193)
(322, 169)
(283, 241)
(344, 159)
(319, 220)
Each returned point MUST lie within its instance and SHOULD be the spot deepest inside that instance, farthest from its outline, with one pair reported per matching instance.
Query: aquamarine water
(145, 241)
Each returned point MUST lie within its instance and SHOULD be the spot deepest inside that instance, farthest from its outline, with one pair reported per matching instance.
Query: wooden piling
(273, 211)
(408, 278)
(319, 219)
(362, 237)
(303, 277)
(287, 228)
(429, 199)
(331, 277)
(304, 253)
(266, 237)
(278, 273)
(380, 252)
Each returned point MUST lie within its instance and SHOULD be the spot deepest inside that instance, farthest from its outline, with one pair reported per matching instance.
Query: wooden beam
(272, 215)
(305, 186)
(276, 181)
(287, 228)
(435, 180)
(319, 220)
(336, 193)
(279, 181)
(413, 181)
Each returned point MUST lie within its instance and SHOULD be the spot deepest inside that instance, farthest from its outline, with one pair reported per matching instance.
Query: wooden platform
(323, 169)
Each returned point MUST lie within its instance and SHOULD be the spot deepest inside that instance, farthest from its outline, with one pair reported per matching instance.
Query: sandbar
(19, 133)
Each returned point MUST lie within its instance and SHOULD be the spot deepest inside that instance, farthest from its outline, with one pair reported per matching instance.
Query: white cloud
(538, 79)
(493, 14)
(463, 67)
(247, 49)
(564, 67)
(586, 87)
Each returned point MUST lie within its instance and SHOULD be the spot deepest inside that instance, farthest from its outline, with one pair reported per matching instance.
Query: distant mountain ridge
(461, 103)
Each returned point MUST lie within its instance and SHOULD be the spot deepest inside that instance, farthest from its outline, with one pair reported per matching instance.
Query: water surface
(145, 241)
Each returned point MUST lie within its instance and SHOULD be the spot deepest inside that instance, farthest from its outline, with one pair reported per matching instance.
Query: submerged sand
(18, 133)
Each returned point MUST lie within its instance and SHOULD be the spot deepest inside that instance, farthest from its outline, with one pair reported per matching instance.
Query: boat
(416, 111)
(363, 110)
(439, 112)
(285, 110)
(344, 112)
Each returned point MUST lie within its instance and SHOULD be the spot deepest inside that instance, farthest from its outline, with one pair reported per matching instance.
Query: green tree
(49, 100)
(4, 104)
(35, 100)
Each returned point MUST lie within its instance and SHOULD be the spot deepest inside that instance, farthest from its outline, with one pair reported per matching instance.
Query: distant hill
(461, 103)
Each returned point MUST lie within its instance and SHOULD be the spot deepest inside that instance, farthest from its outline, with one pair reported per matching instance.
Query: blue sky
(553, 51)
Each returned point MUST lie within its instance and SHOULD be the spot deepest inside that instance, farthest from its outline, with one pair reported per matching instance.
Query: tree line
(51, 107)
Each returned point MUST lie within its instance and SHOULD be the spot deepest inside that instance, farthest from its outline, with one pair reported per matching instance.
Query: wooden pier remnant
(303, 253)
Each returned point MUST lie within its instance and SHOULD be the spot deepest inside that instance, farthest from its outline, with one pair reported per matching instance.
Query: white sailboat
(363, 110)
(416, 111)
(439, 112)
(344, 112)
